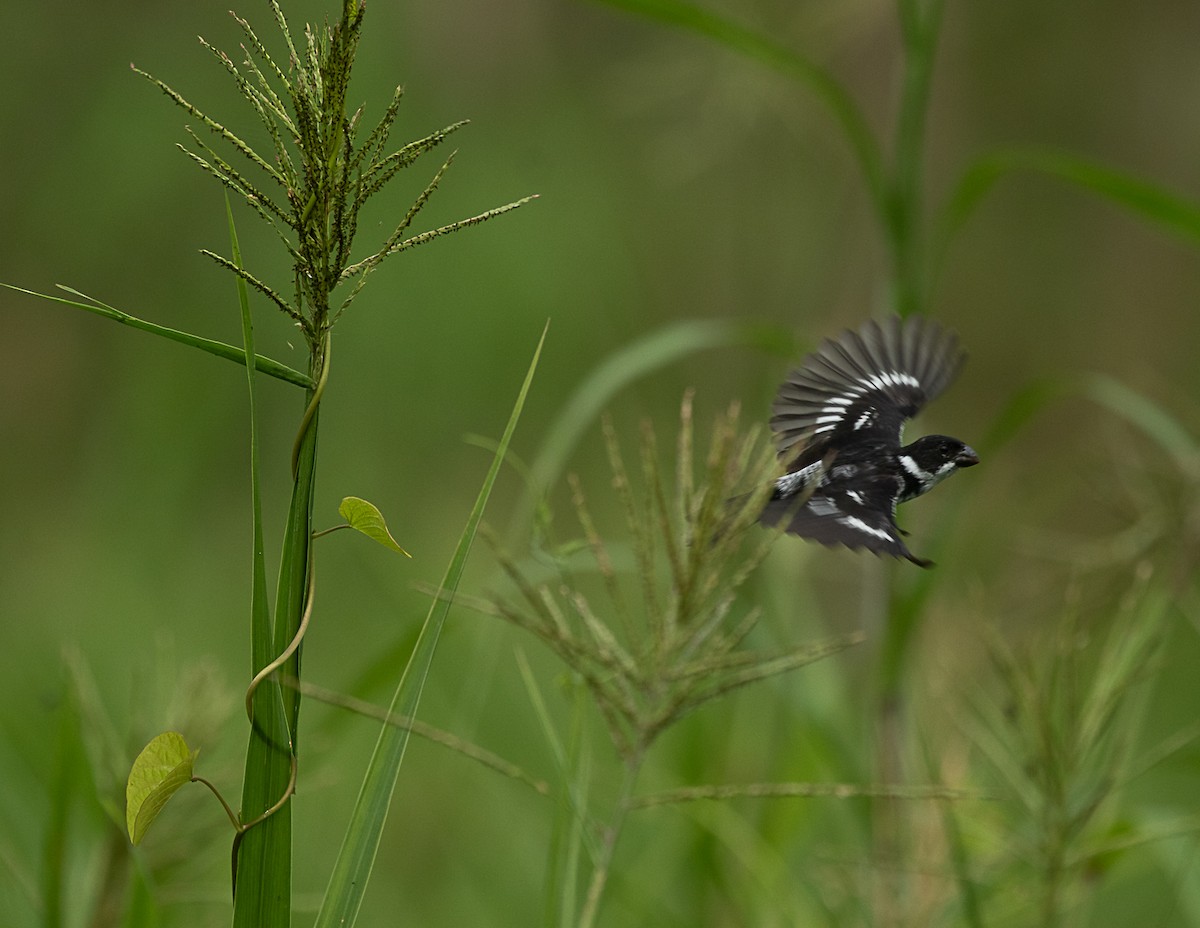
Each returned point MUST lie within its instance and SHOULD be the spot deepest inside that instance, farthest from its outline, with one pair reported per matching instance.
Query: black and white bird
(838, 420)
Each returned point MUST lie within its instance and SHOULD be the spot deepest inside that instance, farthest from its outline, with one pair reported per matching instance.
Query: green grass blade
(570, 835)
(1141, 412)
(220, 349)
(1149, 201)
(264, 856)
(352, 870)
(265, 860)
(293, 590)
(785, 61)
(902, 211)
(260, 607)
(647, 354)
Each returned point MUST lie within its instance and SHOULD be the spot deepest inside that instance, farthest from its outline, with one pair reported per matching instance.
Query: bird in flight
(838, 420)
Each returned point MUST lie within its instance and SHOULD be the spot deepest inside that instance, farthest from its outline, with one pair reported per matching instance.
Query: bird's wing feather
(862, 517)
(862, 385)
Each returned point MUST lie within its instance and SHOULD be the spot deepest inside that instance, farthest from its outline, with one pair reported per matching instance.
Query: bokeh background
(677, 181)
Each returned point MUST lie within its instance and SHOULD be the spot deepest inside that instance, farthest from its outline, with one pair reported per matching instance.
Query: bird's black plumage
(838, 420)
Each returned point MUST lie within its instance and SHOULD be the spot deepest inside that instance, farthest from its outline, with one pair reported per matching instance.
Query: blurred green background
(676, 181)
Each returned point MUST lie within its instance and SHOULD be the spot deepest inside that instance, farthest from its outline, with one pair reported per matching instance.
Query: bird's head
(933, 458)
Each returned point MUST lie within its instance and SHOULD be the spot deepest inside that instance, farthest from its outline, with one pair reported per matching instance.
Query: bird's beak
(967, 457)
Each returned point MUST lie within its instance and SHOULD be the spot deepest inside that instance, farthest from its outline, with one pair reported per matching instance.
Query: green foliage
(997, 753)
(325, 175)
(220, 349)
(365, 517)
(1141, 198)
(355, 861)
(658, 644)
(1060, 735)
(164, 766)
(648, 665)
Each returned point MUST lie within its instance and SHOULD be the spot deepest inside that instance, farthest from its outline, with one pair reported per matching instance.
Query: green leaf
(352, 870)
(220, 349)
(1156, 204)
(164, 765)
(365, 517)
(570, 832)
(263, 856)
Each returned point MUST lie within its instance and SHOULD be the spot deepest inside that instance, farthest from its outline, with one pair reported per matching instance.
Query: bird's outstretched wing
(862, 517)
(862, 385)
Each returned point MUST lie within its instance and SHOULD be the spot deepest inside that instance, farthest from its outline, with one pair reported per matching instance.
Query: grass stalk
(610, 834)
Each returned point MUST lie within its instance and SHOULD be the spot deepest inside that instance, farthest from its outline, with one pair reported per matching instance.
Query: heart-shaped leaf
(366, 518)
(164, 765)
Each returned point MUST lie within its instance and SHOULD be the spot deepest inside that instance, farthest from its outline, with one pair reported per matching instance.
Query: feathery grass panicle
(656, 640)
(1061, 741)
(316, 178)
(667, 636)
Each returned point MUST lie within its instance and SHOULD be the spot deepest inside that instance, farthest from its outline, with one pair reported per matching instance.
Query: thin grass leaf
(220, 349)
(578, 834)
(264, 853)
(352, 870)
(901, 209)
(566, 760)
(771, 54)
(260, 608)
(1151, 202)
(1146, 415)
(294, 584)
(570, 835)
(430, 733)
